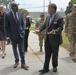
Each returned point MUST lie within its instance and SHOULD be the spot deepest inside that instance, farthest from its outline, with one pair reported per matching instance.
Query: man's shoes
(74, 60)
(24, 66)
(40, 48)
(8, 41)
(16, 65)
(0, 48)
(54, 69)
(43, 71)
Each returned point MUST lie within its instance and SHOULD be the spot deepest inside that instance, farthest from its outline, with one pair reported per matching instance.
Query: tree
(69, 8)
(0, 2)
(21, 10)
(5, 3)
(73, 1)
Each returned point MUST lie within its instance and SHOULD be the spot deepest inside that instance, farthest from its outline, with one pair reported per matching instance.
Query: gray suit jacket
(57, 25)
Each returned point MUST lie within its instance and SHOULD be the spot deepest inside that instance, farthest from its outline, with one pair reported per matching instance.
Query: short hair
(1, 6)
(42, 14)
(14, 5)
(74, 6)
(52, 5)
(24, 11)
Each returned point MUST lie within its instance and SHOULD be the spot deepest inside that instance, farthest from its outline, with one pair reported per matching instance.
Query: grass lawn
(65, 39)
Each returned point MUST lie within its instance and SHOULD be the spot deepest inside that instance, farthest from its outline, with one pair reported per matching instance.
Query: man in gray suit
(54, 27)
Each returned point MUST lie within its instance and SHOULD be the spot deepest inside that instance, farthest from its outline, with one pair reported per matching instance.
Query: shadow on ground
(7, 70)
(49, 73)
(67, 59)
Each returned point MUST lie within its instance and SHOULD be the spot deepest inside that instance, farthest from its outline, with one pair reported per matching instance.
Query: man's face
(42, 17)
(51, 10)
(1, 9)
(74, 11)
(15, 8)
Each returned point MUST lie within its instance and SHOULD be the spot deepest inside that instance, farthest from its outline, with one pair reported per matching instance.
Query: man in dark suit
(14, 27)
(53, 26)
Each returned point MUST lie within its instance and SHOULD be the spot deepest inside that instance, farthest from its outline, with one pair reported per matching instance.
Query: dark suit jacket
(2, 22)
(57, 25)
(28, 22)
(12, 27)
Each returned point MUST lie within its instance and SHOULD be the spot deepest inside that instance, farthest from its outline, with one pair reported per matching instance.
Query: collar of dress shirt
(53, 15)
(16, 14)
(13, 12)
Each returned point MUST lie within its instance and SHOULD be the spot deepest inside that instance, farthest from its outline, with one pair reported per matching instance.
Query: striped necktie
(15, 16)
(50, 20)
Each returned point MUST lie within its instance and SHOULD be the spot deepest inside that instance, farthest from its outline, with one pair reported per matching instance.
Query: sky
(37, 5)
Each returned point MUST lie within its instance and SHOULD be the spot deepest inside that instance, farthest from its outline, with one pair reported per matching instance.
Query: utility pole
(44, 6)
(49, 1)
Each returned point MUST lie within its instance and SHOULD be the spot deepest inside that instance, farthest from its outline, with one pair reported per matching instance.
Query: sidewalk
(35, 61)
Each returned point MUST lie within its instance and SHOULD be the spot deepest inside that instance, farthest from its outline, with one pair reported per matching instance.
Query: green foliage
(73, 1)
(5, 1)
(65, 43)
(69, 8)
(21, 10)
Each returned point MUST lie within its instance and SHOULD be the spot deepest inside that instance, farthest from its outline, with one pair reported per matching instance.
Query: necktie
(15, 16)
(50, 20)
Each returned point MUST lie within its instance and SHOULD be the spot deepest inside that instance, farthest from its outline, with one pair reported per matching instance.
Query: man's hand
(66, 34)
(37, 30)
(26, 28)
(51, 32)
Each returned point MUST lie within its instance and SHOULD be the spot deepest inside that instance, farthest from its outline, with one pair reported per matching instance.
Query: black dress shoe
(8, 41)
(24, 66)
(54, 69)
(0, 48)
(16, 64)
(43, 71)
(74, 60)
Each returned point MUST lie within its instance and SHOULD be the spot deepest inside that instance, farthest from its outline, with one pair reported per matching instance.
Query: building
(37, 14)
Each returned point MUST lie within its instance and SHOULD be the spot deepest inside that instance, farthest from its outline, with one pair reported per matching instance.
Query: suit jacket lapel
(12, 16)
(53, 20)
(17, 17)
(48, 19)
